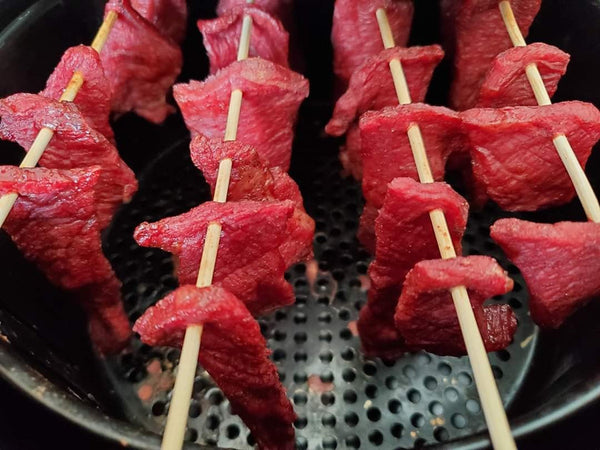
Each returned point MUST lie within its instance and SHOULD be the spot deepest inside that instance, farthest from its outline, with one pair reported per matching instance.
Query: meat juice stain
(365, 282)
(317, 386)
(353, 327)
(157, 382)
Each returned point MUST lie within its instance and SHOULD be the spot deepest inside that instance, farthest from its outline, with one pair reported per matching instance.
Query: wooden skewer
(188, 362)
(45, 134)
(582, 185)
(486, 385)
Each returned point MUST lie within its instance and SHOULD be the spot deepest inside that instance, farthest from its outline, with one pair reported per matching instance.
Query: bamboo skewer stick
(582, 185)
(188, 361)
(45, 134)
(491, 402)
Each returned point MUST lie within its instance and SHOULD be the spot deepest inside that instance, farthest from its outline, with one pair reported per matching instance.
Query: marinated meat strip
(54, 223)
(168, 16)
(405, 236)
(355, 32)
(386, 152)
(371, 88)
(506, 83)
(425, 315)
(479, 35)
(282, 9)
(271, 97)
(75, 145)
(514, 157)
(250, 260)
(93, 99)
(140, 63)
(268, 39)
(233, 352)
(251, 179)
(560, 263)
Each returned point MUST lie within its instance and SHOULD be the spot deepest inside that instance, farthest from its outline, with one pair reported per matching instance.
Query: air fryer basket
(342, 399)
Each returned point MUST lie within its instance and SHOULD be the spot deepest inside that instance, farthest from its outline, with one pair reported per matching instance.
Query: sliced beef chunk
(268, 39)
(514, 156)
(425, 315)
(560, 263)
(139, 83)
(233, 352)
(506, 83)
(75, 144)
(271, 97)
(249, 260)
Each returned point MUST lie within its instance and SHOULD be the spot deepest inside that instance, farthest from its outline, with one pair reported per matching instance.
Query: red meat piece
(251, 179)
(480, 35)
(54, 224)
(425, 315)
(355, 33)
(506, 83)
(93, 99)
(282, 9)
(233, 352)
(271, 97)
(560, 263)
(371, 88)
(139, 84)
(75, 145)
(168, 16)
(249, 261)
(268, 39)
(514, 157)
(386, 153)
(404, 237)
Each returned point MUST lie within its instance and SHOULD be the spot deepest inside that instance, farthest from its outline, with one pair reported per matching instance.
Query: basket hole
(451, 394)
(369, 369)
(394, 406)
(300, 337)
(503, 355)
(326, 356)
(409, 371)
(279, 335)
(391, 382)
(349, 375)
(328, 398)
(473, 406)
(300, 356)
(373, 414)
(195, 410)
(279, 355)
(232, 431)
(351, 419)
(300, 398)
(348, 354)
(397, 430)
(301, 443)
(436, 408)
(497, 372)
(325, 336)
(444, 369)
(300, 377)
(212, 422)
(464, 379)
(375, 437)
(350, 396)
(459, 421)
(329, 442)
(158, 408)
(430, 383)
(301, 423)
(327, 376)
(417, 420)
(353, 441)
(328, 420)
(414, 396)
(371, 391)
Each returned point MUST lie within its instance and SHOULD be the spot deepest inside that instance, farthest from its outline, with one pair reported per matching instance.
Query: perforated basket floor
(342, 399)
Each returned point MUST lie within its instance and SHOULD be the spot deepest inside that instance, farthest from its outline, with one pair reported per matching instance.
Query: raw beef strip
(560, 263)
(514, 157)
(425, 315)
(480, 35)
(355, 33)
(249, 261)
(506, 83)
(371, 88)
(75, 145)
(93, 99)
(386, 151)
(268, 40)
(251, 179)
(233, 352)
(54, 224)
(139, 83)
(404, 237)
(282, 9)
(168, 16)
(271, 97)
